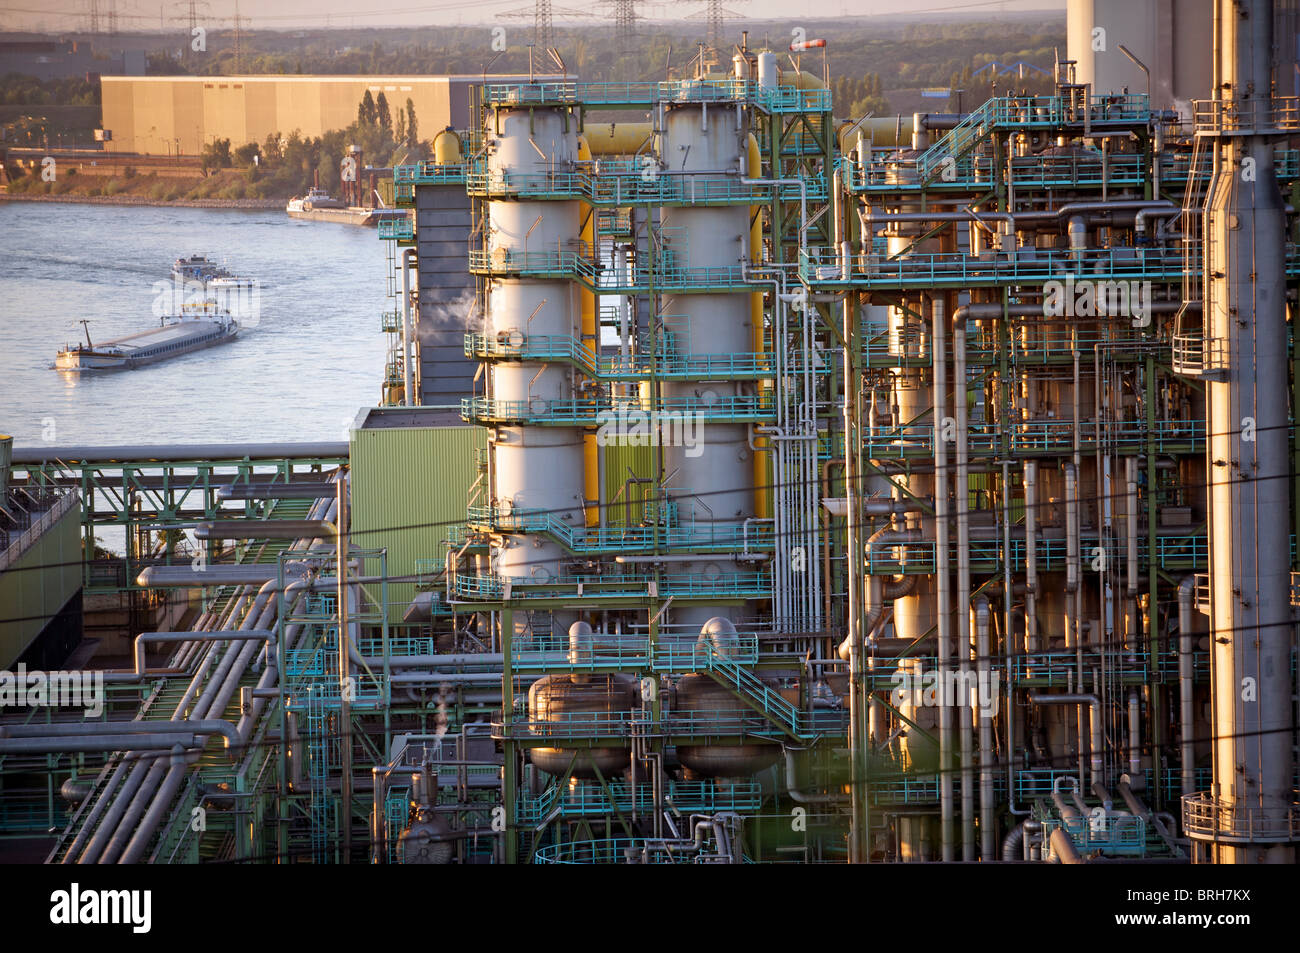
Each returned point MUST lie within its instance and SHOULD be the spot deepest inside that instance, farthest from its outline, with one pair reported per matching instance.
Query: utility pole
(239, 40)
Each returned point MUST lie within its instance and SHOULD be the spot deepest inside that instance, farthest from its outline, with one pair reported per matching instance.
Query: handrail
(48, 518)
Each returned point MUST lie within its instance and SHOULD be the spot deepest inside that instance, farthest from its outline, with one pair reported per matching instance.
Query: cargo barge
(199, 326)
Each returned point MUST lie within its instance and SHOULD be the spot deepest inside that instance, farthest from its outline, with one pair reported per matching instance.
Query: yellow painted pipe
(886, 131)
(587, 299)
(801, 80)
(587, 322)
(616, 138)
(591, 477)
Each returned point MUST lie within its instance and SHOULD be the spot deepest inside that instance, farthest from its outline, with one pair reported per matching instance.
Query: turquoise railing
(729, 537)
(733, 585)
(606, 280)
(675, 416)
(563, 347)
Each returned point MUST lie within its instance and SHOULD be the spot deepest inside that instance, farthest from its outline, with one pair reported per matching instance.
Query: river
(311, 358)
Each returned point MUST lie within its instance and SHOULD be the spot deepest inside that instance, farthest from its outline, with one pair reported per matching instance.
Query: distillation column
(712, 482)
(1244, 820)
(536, 469)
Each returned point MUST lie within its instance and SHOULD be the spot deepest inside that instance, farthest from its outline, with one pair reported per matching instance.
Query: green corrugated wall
(625, 509)
(409, 490)
(29, 597)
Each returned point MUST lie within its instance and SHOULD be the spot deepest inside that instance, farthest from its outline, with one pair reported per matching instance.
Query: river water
(300, 370)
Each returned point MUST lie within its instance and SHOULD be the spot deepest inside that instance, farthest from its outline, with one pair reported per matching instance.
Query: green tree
(244, 156)
(272, 152)
(216, 155)
(327, 167)
(366, 111)
(412, 127)
(385, 114)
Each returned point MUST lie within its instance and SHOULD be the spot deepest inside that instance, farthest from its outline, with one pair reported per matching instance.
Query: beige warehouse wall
(148, 114)
(118, 102)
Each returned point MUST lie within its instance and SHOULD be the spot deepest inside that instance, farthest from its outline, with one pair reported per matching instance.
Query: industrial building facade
(163, 115)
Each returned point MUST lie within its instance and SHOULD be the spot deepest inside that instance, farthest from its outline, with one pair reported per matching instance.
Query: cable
(1066, 760)
(703, 556)
(919, 470)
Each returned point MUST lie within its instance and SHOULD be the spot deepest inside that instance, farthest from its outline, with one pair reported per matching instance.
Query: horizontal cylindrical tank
(705, 697)
(616, 138)
(591, 704)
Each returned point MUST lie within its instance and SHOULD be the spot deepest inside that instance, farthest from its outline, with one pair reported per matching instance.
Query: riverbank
(145, 200)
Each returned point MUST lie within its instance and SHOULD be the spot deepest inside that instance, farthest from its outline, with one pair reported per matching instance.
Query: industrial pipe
(1031, 555)
(964, 645)
(984, 653)
(53, 744)
(272, 490)
(264, 529)
(1063, 847)
(408, 345)
(1186, 647)
(152, 638)
(940, 405)
(174, 453)
(1013, 843)
(876, 590)
(97, 729)
(1094, 704)
(1134, 734)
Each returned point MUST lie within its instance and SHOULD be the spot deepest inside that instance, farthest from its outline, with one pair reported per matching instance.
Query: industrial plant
(748, 483)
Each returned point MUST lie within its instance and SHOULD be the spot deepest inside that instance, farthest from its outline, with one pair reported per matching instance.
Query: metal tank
(581, 704)
(705, 701)
(537, 469)
(427, 837)
(702, 696)
(447, 147)
(1172, 40)
(712, 483)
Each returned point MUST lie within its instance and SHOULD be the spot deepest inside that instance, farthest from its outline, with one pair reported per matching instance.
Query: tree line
(288, 165)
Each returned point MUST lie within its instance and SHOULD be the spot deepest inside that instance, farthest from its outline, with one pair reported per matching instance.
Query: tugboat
(197, 268)
(198, 326)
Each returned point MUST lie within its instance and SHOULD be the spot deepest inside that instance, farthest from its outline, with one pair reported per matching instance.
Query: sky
(69, 15)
